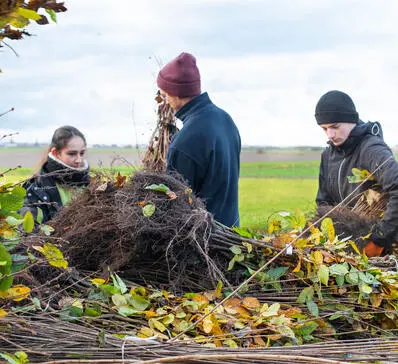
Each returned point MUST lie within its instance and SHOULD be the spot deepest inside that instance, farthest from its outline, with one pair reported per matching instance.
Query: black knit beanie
(336, 107)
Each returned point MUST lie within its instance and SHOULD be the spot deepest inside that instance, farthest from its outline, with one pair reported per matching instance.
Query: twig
(223, 357)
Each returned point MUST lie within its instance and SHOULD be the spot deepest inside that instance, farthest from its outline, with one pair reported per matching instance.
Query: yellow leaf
(98, 281)
(354, 247)
(28, 14)
(218, 291)
(165, 294)
(155, 324)
(53, 255)
(18, 292)
(298, 266)
(146, 332)
(149, 314)
(77, 303)
(2, 313)
(274, 226)
(38, 248)
(248, 246)
(208, 324)
(317, 257)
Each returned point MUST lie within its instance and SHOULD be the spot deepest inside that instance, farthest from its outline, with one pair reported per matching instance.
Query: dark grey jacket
(364, 149)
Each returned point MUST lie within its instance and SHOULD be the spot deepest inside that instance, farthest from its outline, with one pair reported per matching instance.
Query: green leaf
(109, 289)
(352, 278)
(306, 295)
(365, 289)
(275, 273)
(119, 300)
(313, 308)
(5, 269)
(28, 14)
(339, 280)
(305, 329)
(272, 310)
(10, 202)
(139, 302)
(22, 357)
(126, 311)
(148, 210)
(52, 14)
(338, 270)
(327, 228)
(323, 274)
(118, 282)
(19, 191)
(242, 232)
(40, 215)
(11, 359)
(47, 229)
(28, 222)
(235, 249)
(11, 220)
(160, 188)
(232, 262)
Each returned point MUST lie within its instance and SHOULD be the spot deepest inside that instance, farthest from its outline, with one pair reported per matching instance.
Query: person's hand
(373, 250)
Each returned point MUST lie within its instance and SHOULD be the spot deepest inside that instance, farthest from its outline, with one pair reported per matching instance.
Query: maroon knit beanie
(180, 77)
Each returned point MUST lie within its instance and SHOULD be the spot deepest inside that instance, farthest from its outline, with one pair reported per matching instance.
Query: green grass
(261, 197)
(302, 169)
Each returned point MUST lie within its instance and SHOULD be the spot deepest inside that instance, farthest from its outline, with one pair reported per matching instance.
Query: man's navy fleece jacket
(206, 153)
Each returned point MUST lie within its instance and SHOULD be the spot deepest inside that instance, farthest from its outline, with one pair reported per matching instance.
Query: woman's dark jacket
(42, 191)
(206, 153)
(364, 149)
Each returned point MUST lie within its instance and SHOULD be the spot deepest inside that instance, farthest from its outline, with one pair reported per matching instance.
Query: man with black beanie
(355, 144)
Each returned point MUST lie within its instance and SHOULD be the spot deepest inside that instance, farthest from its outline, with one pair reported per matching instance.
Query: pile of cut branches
(183, 277)
(45, 339)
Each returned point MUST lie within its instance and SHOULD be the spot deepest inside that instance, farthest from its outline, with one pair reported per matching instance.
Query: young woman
(64, 172)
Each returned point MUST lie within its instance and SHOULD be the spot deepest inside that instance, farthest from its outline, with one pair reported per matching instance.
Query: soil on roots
(106, 227)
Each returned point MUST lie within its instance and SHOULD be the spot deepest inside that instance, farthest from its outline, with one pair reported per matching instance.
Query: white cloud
(265, 63)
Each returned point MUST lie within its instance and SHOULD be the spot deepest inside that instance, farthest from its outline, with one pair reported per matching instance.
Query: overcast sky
(265, 62)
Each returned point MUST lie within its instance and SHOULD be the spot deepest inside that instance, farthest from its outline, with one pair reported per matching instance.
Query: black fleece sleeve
(322, 197)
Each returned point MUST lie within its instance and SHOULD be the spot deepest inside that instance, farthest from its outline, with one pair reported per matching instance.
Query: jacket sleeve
(29, 203)
(386, 230)
(180, 162)
(322, 197)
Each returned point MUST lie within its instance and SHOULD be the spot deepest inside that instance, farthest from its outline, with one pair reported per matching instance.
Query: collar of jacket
(355, 138)
(192, 106)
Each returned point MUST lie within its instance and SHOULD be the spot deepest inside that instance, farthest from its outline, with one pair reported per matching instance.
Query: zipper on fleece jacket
(338, 179)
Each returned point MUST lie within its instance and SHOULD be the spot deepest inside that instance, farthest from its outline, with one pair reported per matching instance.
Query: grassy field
(297, 169)
(261, 197)
(264, 188)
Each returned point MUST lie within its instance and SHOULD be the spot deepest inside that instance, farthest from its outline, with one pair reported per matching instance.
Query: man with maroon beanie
(206, 150)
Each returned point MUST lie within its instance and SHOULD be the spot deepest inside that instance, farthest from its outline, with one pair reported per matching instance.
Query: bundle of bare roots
(347, 222)
(357, 222)
(147, 233)
(155, 157)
